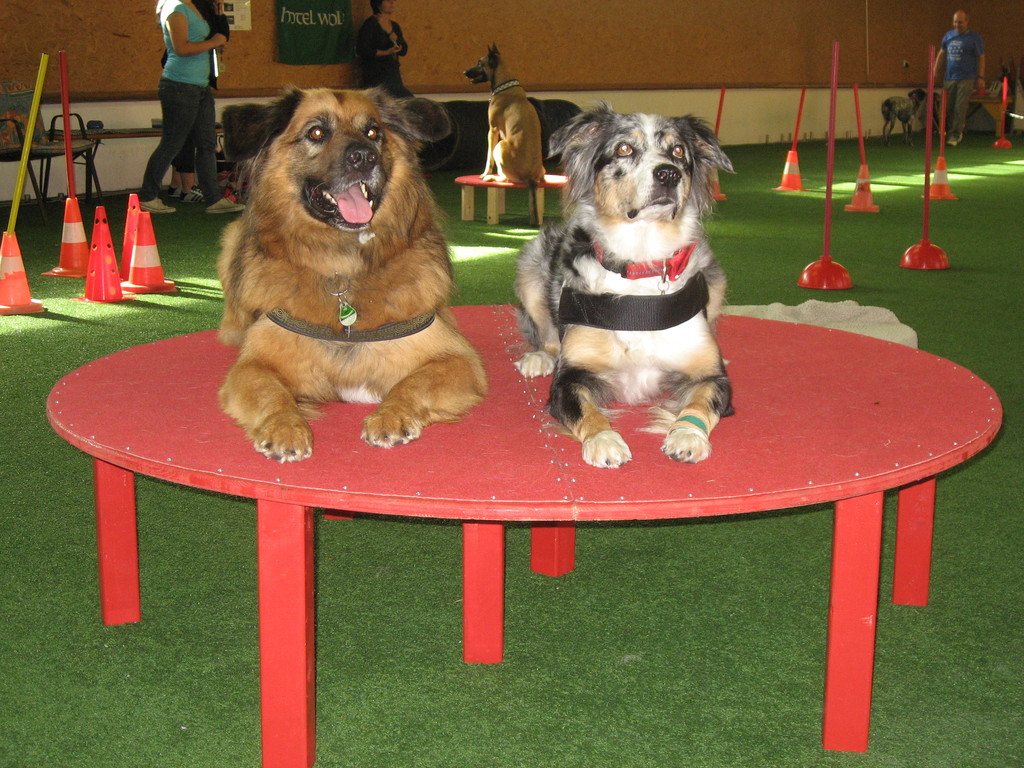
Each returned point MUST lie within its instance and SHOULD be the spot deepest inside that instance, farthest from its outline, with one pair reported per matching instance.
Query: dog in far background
(514, 147)
(902, 108)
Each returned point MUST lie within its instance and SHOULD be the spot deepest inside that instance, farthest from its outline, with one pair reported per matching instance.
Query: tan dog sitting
(514, 149)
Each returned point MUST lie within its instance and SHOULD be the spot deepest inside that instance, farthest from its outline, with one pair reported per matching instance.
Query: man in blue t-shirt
(961, 64)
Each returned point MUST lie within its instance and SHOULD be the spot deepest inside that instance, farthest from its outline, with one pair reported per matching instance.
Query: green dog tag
(346, 314)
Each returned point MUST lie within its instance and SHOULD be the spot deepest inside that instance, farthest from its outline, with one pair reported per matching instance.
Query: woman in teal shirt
(186, 101)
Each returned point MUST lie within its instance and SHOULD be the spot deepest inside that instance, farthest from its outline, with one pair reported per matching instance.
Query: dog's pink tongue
(354, 208)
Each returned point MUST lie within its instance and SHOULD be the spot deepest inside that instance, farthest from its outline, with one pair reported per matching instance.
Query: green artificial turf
(697, 644)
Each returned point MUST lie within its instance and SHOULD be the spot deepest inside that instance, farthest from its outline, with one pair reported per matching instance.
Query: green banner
(314, 31)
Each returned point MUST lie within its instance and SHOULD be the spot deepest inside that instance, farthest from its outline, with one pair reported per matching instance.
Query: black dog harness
(638, 313)
(634, 313)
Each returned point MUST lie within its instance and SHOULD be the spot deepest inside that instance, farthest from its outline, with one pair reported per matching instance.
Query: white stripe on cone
(145, 274)
(73, 232)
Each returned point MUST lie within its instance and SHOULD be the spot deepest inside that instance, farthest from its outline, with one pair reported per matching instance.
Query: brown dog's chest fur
(298, 269)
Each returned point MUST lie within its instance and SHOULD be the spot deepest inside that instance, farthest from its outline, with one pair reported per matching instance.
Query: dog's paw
(388, 429)
(687, 445)
(607, 450)
(284, 439)
(538, 363)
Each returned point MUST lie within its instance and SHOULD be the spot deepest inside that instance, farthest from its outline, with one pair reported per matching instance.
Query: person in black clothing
(379, 44)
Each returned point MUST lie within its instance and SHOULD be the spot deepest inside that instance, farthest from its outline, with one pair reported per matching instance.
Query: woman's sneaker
(174, 193)
(156, 205)
(225, 206)
(194, 195)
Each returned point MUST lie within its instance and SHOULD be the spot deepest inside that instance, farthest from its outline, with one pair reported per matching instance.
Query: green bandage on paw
(691, 420)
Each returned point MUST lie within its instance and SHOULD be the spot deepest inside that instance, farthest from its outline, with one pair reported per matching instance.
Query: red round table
(821, 416)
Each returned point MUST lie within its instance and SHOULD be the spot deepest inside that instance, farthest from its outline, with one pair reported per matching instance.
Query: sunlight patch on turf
(473, 253)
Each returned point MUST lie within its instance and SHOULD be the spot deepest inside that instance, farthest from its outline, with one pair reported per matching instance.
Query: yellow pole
(26, 149)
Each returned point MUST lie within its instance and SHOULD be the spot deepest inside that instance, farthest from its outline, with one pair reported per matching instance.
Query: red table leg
(915, 517)
(483, 592)
(117, 543)
(853, 609)
(552, 548)
(287, 663)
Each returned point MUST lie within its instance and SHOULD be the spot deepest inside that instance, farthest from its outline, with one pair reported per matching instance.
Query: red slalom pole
(940, 189)
(826, 273)
(860, 131)
(862, 201)
(1002, 142)
(942, 125)
(716, 189)
(925, 254)
(831, 153)
(799, 115)
(721, 101)
(74, 249)
(65, 104)
(791, 181)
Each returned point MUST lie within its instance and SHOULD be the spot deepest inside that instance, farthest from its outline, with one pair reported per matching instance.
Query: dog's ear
(579, 143)
(416, 118)
(250, 127)
(579, 130)
(708, 148)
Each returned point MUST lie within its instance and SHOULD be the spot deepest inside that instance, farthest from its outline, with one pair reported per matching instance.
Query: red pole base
(924, 255)
(1002, 143)
(825, 274)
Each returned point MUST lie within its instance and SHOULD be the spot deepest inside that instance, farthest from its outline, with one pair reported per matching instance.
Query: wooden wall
(114, 49)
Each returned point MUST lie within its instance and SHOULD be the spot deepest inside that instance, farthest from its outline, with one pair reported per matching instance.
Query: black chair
(83, 152)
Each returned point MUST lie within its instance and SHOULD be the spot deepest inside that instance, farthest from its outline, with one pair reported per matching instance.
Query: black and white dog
(619, 300)
(902, 108)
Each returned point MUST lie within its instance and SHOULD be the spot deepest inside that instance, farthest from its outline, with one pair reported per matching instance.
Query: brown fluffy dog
(340, 227)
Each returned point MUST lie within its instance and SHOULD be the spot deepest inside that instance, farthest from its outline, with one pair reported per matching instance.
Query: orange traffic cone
(716, 190)
(146, 275)
(862, 194)
(940, 182)
(131, 224)
(74, 248)
(14, 296)
(103, 283)
(791, 174)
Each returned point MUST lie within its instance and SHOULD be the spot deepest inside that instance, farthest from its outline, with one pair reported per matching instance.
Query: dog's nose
(361, 157)
(667, 175)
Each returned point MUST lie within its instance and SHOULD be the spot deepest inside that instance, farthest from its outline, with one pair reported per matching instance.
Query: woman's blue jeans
(188, 110)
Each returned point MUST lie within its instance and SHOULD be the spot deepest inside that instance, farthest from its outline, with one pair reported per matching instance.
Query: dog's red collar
(670, 268)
